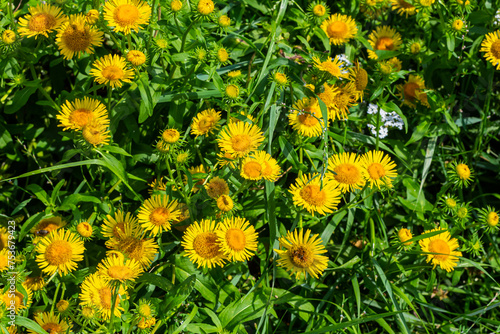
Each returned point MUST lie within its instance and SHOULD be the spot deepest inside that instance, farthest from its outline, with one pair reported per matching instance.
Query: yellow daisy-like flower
(8, 36)
(17, 299)
(491, 45)
(170, 136)
(308, 193)
(45, 226)
(126, 15)
(217, 187)
(205, 7)
(237, 238)
(280, 78)
(344, 97)
(271, 170)
(115, 269)
(113, 227)
(301, 253)
(222, 55)
(224, 21)
(489, 217)
(252, 167)
(136, 57)
(225, 158)
(41, 20)
(404, 235)
(332, 66)
(200, 244)
(199, 179)
(413, 91)
(176, 5)
(92, 16)
(359, 77)
(4, 259)
(240, 139)
(84, 229)
(232, 91)
(96, 133)
(460, 174)
(97, 293)
(234, 74)
(4, 237)
(349, 172)
(403, 8)
(111, 70)
(59, 251)
(156, 214)
(146, 323)
(62, 306)
(383, 38)
(34, 283)
(339, 28)
(225, 203)
(75, 115)
(76, 36)
(306, 118)
(205, 122)
(51, 323)
(444, 246)
(380, 169)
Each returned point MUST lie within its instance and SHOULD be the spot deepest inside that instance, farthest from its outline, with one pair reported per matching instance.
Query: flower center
(451, 203)
(268, 169)
(133, 248)
(118, 229)
(410, 91)
(126, 14)
(170, 136)
(347, 173)
(225, 203)
(241, 143)
(236, 239)
(112, 72)
(463, 171)
(144, 310)
(120, 272)
(361, 80)
(205, 245)
(76, 37)
(384, 43)
(439, 246)
(495, 49)
(492, 219)
(307, 120)
(253, 169)
(52, 328)
(232, 91)
(313, 195)
(160, 216)
(280, 78)
(41, 22)
(105, 297)
(80, 117)
(301, 256)
(206, 123)
(458, 24)
(319, 10)
(58, 252)
(92, 134)
(376, 171)
(337, 29)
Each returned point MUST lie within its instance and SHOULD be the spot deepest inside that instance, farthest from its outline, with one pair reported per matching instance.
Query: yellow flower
(205, 122)
(280, 78)
(306, 118)
(34, 283)
(359, 77)
(240, 139)
(404, 235)
(112, 70)
(234, 74)
(136, 57)
(198, 174)
(457, 24)
(176, 5)
(8, 36)
(17, 299)
(444, 246)
(339, 28)
(379, 168)
(217, 187)
(349, 172)
(200, 244)
(156, 213)
(319, 10)
(92, 16)
(237, 238)
(126, 15)
(97, 293)
(271, 170)
(205, 7)
(413, 91)
(332, 66)
(224, 21)
(383, 38)
(96, 133)
(340, 99)
(51, 323)
(41, 20)
(170, 136)
(75, 115)
(113, 227)
(302, 253)
(4, 259)
(491, 45)
(225, 203)
(222, 55)
(59, 251)
(310, 194)
(225, 158)
(489, 217)
(76, 36)
(146, 323)
(232, 91)
(45, 226)
(84, 229)
(115, 269)
(62, 306)
(403, 8)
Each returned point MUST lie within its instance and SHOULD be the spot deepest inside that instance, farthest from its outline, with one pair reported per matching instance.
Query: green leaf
(178, 294)
(248, 308)
(39, 193)
(290, 154)
(29, 324)
(419, 133)
(19, 100)
(187, 320)
(156, 280)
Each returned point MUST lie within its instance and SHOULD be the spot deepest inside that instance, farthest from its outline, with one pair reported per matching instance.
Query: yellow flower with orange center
(8, 36)
(75, 115)
(225, 203)
(413, 91)
(16, 299)
(205, 7)
(41, 20)
(84, 229)
(402, 7)
(116, 269)
(51, 323)
(136, 57)
(339, 28)
(157, 213)
(310, 193)
(237, 238)
(98, 293)
(127, 15)
(111, 70)
(201, 245)
(384, 38)
(441, 248)
(306, 117)
(240, 139)
(347, 171)
(380, 169)
(217, 187)
(205, 122)
(76, 36)
(491, 45)
(96, 133)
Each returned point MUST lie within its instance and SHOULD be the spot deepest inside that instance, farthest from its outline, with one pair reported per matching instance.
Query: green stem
(113, 302)
(129, 41)
(55, 298)
(185, 36)
(378, 129)
(110, 90)
(40, 88)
